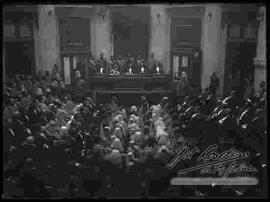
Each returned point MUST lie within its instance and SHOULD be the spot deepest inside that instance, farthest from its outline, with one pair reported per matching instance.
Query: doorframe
(172, 18)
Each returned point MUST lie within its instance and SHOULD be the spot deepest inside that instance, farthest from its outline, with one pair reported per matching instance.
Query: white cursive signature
(211, 158)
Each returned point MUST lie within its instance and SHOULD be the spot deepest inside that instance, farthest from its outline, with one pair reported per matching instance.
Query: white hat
(39, 91)
(78, 74)
(138, 132)
(63, 130)
(133, 109)
(163, 147)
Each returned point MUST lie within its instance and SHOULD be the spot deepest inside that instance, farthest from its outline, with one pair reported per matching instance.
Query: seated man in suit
(102, 63)
(92, 66)
(111, 63)
(133, 64)
(158, 68)
(152, 63)
(80, 86)
(120, 63)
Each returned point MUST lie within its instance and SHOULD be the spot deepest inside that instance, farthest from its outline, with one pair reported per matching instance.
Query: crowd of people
(56, 147)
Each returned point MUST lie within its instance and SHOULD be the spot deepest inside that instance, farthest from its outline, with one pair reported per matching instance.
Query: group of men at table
(123, 65)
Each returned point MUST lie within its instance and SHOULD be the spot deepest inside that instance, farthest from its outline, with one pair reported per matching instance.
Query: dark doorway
(244, 60)
(130, 30)
(239, 57)
(19, 58)
(185, 48)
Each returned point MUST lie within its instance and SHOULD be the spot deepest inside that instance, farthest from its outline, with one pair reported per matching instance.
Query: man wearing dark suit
(152, 63)
(102, 63)
(214, 83)
(92, 66)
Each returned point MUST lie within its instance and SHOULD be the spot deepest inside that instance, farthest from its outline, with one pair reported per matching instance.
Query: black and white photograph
(134, 100)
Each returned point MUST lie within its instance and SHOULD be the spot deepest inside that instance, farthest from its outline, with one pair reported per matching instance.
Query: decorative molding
(182, 11)
(21, 8)
(75, 5)
(25, 39)
(74, 12)
(75, 52)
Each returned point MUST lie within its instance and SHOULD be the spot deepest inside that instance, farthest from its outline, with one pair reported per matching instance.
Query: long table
(130, 82)
(128, 88)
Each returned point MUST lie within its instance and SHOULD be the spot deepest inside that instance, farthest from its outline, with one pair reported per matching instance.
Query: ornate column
(46, 37)
(213, 45)
(101, 32)
(160, 35)
(260, 59)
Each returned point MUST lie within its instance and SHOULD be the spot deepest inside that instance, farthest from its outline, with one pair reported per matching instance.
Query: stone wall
(47, 45)
(213, 45)
(160, 35)
(101, 35)
(260, 60)
(46, 39)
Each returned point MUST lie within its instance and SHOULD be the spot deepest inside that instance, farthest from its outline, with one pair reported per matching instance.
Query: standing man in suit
(182, 87)
(102, 63)
(214, 83)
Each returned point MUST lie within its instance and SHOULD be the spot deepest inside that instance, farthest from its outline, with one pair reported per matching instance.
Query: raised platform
(129, 88)
(130, 82)
(131, 97)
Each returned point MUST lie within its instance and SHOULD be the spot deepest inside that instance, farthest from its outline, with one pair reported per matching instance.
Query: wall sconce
(103, 16)
(158, 17)
(260, 16)
(36, 24)
(50, 11)
(209, 17)
(102, 12)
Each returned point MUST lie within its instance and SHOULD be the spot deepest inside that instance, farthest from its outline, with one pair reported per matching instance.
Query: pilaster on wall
(160, 35)
(46, 39)
(260, 60)
(222, 57)
(101, 35)
(213, 45)
(4, 65)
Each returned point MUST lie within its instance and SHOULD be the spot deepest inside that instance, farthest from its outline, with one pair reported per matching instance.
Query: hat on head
(259, 112)
(133, 127)
(107, 128)
(137, 138)
(97, 148)
(117, 144)
(63, 130)
(30, 140)
(133, 109)
(163, 148)
(39, 91)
